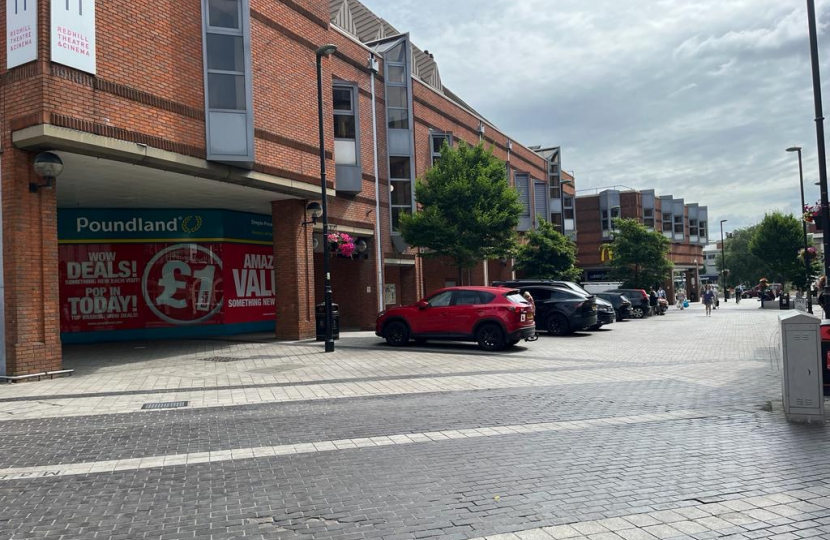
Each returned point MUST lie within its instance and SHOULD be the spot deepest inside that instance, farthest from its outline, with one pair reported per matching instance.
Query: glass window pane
(396, 216)
(345, 152)
(441, 299)
(437, 143)
(344, 126)
(342, 99)
(396, 97)
(401, 193)
(398, 119)
(396, 54)
(395, 74)
(223, 13)
(225, 53)
(399, 168)
(226, 91)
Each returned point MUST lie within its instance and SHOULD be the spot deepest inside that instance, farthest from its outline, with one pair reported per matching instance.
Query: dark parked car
(605, 314)
(621, 303)
(492, 317)
(561, 311)
(640, 306)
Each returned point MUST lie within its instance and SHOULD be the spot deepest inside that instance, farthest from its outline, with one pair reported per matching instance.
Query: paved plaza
(669, 427)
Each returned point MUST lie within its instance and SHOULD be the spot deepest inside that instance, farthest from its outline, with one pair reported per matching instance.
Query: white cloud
(695, 99)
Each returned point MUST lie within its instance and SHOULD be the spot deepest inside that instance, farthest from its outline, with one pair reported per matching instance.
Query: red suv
(494, 317)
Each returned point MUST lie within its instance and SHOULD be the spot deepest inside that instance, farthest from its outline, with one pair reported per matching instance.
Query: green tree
(744, 267)
(468, 213)
(776, 242)
(548, 254)
(640, 258)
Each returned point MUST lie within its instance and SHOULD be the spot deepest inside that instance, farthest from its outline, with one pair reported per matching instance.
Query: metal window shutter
(540, 200)
(522, 186)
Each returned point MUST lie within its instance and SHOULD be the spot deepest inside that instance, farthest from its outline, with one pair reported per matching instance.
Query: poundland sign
(83, 224)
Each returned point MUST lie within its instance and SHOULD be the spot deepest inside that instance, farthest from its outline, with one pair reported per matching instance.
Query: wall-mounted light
(315, 242)
(361, 245)
(315, 210)
(48, 166)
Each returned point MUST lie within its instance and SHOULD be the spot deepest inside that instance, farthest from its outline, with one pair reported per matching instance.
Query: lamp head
(326, 50)
(361, 245)
(794, 149)
(314, 209)
(48, 165)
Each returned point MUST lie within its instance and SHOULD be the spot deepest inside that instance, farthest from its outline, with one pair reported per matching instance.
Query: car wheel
(396, 333)
(490, 337)
(558, 326)
(638, 313)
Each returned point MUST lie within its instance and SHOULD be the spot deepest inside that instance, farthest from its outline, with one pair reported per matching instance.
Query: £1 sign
(182, 284)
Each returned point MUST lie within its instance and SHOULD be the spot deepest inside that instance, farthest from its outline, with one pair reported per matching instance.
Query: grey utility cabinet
(801, 347)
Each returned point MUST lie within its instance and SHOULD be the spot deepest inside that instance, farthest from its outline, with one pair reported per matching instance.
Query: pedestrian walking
(530, 301)
(681, 300)
(708, 300)
(652, 301)
(739, 292)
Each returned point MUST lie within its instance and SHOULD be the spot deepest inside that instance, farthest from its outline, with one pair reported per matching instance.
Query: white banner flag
(21, 32)
(73, 34)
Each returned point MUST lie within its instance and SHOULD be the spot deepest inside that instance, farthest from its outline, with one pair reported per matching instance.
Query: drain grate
(165, 405)
(221, 359)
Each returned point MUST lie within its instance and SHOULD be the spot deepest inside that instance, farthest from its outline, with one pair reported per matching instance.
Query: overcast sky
(694, 98)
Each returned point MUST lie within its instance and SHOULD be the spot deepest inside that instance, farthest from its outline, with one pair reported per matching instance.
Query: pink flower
(347, 249)
(333, 238)
(345, 238)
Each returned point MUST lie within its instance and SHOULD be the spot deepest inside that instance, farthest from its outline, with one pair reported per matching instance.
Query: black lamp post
(724, 271)
(822, 159)
(804, 229)
(325, 50)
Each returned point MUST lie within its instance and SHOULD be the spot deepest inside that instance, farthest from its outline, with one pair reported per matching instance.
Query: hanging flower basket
(811, 253)
(812, 214)
(342, 244)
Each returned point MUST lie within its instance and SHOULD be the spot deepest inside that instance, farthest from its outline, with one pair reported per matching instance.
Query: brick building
(189, 142)
(685, 224)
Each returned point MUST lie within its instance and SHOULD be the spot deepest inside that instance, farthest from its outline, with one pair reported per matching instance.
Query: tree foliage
(744, 267)
(640, 257)
(548, 254)
(776, 242)
(468, 211)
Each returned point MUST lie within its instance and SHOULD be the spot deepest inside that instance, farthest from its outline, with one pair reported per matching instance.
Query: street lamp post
(723, 259)
(325, 50)
(804, 229)
(822, 159)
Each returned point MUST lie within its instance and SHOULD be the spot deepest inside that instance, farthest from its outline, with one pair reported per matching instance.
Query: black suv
(559, 310)
(640, 306)
(621, 303)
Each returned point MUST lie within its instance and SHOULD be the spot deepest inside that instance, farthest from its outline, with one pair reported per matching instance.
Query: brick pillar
(30, 266)
(294, 270)
(410, 288)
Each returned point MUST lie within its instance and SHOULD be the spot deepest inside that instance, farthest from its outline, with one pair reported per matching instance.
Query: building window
(345, 125)
(400, 179)
(667, 222)
(678, 225)
(648, 217)
(701, 228)
(225, 54)
(556, 219)
(606, 226)
(523, 187)
(397, 95)
(555, 186)
(693, 227)
(568, 210)
(436, 142)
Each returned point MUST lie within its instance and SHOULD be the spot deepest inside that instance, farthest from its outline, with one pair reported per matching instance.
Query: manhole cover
(165, 405)
(221, 359)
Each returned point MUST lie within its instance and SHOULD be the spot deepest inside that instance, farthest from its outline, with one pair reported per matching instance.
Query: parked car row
(500, 316)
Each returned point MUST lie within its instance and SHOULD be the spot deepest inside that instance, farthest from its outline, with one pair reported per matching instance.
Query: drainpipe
(512, 260)
(373, 69)
(3, 372)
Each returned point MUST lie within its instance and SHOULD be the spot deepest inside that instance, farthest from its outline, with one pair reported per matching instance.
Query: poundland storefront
(147, 274)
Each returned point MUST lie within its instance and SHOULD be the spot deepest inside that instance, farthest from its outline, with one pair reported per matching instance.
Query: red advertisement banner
(109, 287)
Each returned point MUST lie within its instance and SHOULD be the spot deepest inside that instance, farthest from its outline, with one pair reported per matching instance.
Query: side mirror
(423, 304)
